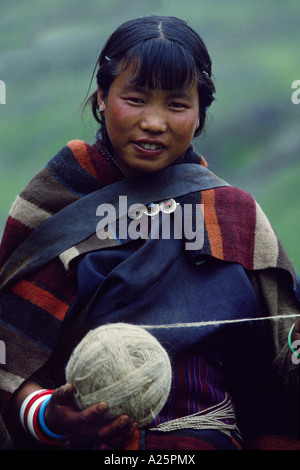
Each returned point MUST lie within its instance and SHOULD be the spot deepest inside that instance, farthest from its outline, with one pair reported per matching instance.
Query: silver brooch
(168, 206)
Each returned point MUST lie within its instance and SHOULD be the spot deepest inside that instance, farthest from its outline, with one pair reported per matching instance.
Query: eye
(134, 99)
(178, 105)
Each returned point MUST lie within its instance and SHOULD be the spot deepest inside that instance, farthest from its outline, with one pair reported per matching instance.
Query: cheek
(186, 126)
(114, 120)
(119, 118)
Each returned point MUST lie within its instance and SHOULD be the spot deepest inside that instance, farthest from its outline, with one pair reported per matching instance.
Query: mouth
(147, 147)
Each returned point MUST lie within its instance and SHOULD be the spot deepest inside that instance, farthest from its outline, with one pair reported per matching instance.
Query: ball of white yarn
(124, 366)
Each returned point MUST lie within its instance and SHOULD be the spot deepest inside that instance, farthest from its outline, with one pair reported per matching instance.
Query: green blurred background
(48, 52)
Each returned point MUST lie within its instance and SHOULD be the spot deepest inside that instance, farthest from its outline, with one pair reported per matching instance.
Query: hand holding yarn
(63, 417)
(124, 366)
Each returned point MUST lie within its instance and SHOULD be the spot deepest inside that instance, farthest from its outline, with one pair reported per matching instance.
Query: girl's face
(148, 128)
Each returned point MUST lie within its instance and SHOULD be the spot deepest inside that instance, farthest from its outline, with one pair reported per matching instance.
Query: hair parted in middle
(162, 52)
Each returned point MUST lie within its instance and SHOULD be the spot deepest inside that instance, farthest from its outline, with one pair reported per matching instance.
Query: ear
(100, 100)
(197, 124)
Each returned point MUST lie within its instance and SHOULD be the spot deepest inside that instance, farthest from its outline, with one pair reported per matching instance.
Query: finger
(118, 430)
(63, 393)
(121, 438)
(95, 415)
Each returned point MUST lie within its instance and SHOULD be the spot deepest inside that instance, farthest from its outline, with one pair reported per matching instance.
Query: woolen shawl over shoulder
(33, 309)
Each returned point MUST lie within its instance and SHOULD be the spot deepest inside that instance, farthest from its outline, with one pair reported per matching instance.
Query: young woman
(62, 276)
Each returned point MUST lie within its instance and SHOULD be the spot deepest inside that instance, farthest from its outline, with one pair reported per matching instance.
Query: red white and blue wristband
(33, 421)
(297, 356)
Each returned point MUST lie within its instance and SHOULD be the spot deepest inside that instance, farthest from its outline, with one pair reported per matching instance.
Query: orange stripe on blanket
(211, 223)
(80, 152)
(41, 298)
(134, 442)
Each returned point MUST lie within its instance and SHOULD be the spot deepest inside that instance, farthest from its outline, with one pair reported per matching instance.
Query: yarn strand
(210, 418)
(217, 322)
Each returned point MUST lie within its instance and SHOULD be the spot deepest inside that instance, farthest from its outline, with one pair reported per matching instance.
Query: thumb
(63, 394)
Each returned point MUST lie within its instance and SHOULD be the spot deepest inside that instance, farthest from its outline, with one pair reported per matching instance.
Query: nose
(153, 120)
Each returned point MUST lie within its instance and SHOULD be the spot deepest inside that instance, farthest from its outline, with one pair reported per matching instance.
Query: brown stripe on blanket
(55, 195)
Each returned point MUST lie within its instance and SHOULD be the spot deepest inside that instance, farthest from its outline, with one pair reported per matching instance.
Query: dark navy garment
(160, 285)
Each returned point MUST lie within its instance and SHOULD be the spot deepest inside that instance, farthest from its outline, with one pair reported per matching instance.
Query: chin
(149, 167)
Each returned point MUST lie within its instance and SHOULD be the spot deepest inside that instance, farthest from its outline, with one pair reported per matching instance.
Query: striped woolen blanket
(32, 310)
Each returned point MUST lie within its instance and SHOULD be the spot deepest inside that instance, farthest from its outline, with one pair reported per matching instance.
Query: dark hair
(165, 52)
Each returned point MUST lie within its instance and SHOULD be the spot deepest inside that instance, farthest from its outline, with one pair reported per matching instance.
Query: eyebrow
(133, 88)
(179, 94)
